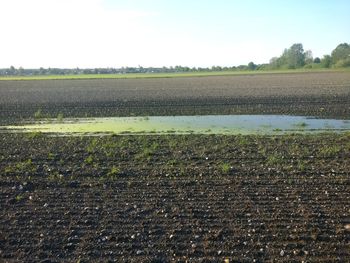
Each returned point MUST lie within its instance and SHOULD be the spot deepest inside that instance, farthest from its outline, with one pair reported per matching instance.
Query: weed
(50, 156)
(182, 170)
(38, 114)
(273, 159)
(55, 176)
(242, 140)
(113, 173)
(171, 163)
(92, 146)
(19, 197)
(301, 124)
(172, 144)
(34, 134)
(328, 151)
(225, 168)
(21, 167)
(147, 151)
(301, 166)
(60, 117)
(89, 160)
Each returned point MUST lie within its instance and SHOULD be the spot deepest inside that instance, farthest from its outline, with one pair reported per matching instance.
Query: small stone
(69, 246)
(282, 253)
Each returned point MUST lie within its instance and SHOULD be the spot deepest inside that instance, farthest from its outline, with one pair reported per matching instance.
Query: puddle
(204, 124)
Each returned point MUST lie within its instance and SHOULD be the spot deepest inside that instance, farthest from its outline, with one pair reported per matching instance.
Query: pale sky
(195, 33)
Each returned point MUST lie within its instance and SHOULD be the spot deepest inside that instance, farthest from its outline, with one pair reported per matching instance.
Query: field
(318, 94)
(175, 198)
(166, 75)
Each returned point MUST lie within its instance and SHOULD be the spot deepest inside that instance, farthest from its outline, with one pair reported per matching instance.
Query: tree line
(294, 57)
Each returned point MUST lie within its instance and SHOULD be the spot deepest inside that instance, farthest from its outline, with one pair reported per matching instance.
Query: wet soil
(324, 94)
(186, 198)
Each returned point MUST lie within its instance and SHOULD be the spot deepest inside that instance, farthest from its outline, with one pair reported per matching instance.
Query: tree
(308, 59)
(342, 51)
(317, 60)
(252, 66)
(12, 70)
(343, 63)
(279, 62)
(295, 56)
(326, 61)
(21, 71)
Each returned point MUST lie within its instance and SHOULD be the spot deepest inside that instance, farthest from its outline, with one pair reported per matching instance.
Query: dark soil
(175, 198)
(317, 94)
(190, 198)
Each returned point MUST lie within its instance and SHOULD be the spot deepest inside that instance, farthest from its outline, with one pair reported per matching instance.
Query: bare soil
(175, 198)
(185, 198)
(317, 94)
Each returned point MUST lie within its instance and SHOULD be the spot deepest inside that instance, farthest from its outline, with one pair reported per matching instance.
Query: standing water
(203, 124)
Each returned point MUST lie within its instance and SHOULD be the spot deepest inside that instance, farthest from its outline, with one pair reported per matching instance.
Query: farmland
(317, 94)
(164, 198)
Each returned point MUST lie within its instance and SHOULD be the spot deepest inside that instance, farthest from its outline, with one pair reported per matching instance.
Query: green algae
(204, 124)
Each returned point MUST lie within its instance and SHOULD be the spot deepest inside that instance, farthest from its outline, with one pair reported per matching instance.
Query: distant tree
(274, 62)
(317, 60)
(242, 67)
(295, 56)
(216, 68)
(21, 71)
(252, 66)
(343, 63)
(308, 59)
(42, 71)
(12, 70)
(326, 61)
(342, 51)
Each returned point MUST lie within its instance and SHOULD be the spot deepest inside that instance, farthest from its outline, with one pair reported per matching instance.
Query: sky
(194, 33)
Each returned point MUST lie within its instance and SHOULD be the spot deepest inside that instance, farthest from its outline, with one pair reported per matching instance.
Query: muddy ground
(185, 198)
(319, 94)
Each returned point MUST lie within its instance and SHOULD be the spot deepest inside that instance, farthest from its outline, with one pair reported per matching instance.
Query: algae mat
(204, 124)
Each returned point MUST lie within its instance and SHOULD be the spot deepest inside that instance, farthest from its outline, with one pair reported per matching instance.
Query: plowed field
(176, 198)
(318, 94)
